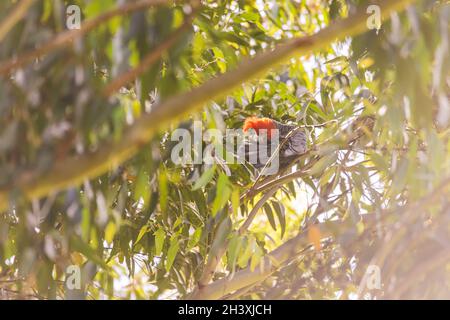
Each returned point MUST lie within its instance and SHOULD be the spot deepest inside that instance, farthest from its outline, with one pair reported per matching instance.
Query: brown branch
(239, 293)
(279, 181)
(66, 38)
(271, 263)
(15, 16)
(74, 170)
(246, 279)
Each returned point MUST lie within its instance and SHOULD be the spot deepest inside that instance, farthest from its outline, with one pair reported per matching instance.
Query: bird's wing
(296, 144)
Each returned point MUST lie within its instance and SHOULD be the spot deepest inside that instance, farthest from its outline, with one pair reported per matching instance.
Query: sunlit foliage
(373, 188)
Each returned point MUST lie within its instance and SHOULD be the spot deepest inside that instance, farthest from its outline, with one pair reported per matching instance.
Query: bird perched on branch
(291, 141)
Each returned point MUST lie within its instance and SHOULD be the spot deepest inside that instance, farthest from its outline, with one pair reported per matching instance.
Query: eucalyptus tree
(92, 91)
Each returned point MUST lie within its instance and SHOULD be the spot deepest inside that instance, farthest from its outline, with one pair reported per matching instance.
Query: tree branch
(246, 278)
(74, 170)
(271, 262)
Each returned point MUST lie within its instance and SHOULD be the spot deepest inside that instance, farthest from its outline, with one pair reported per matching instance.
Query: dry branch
(271, 262)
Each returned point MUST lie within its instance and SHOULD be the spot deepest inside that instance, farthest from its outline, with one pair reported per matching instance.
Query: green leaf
(163, 191)
(160, 235)
(250, 16)
(223, 193)
(323, 163)
(171, 253)
(279, 209)
(142, 232)
(270, 217)
(326, 176)
(247, 253)
(220, 59)
(142, 188)
(234, 248)
(379, 162)
(195, 238)
(80, 246)
(205, 178)
(256, 258)
(338, 61)
(221, 236)
(85, 223)
(400, 177)
(235, 200)
(110, 232)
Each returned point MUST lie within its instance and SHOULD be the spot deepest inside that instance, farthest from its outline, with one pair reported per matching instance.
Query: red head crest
(259, 123)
